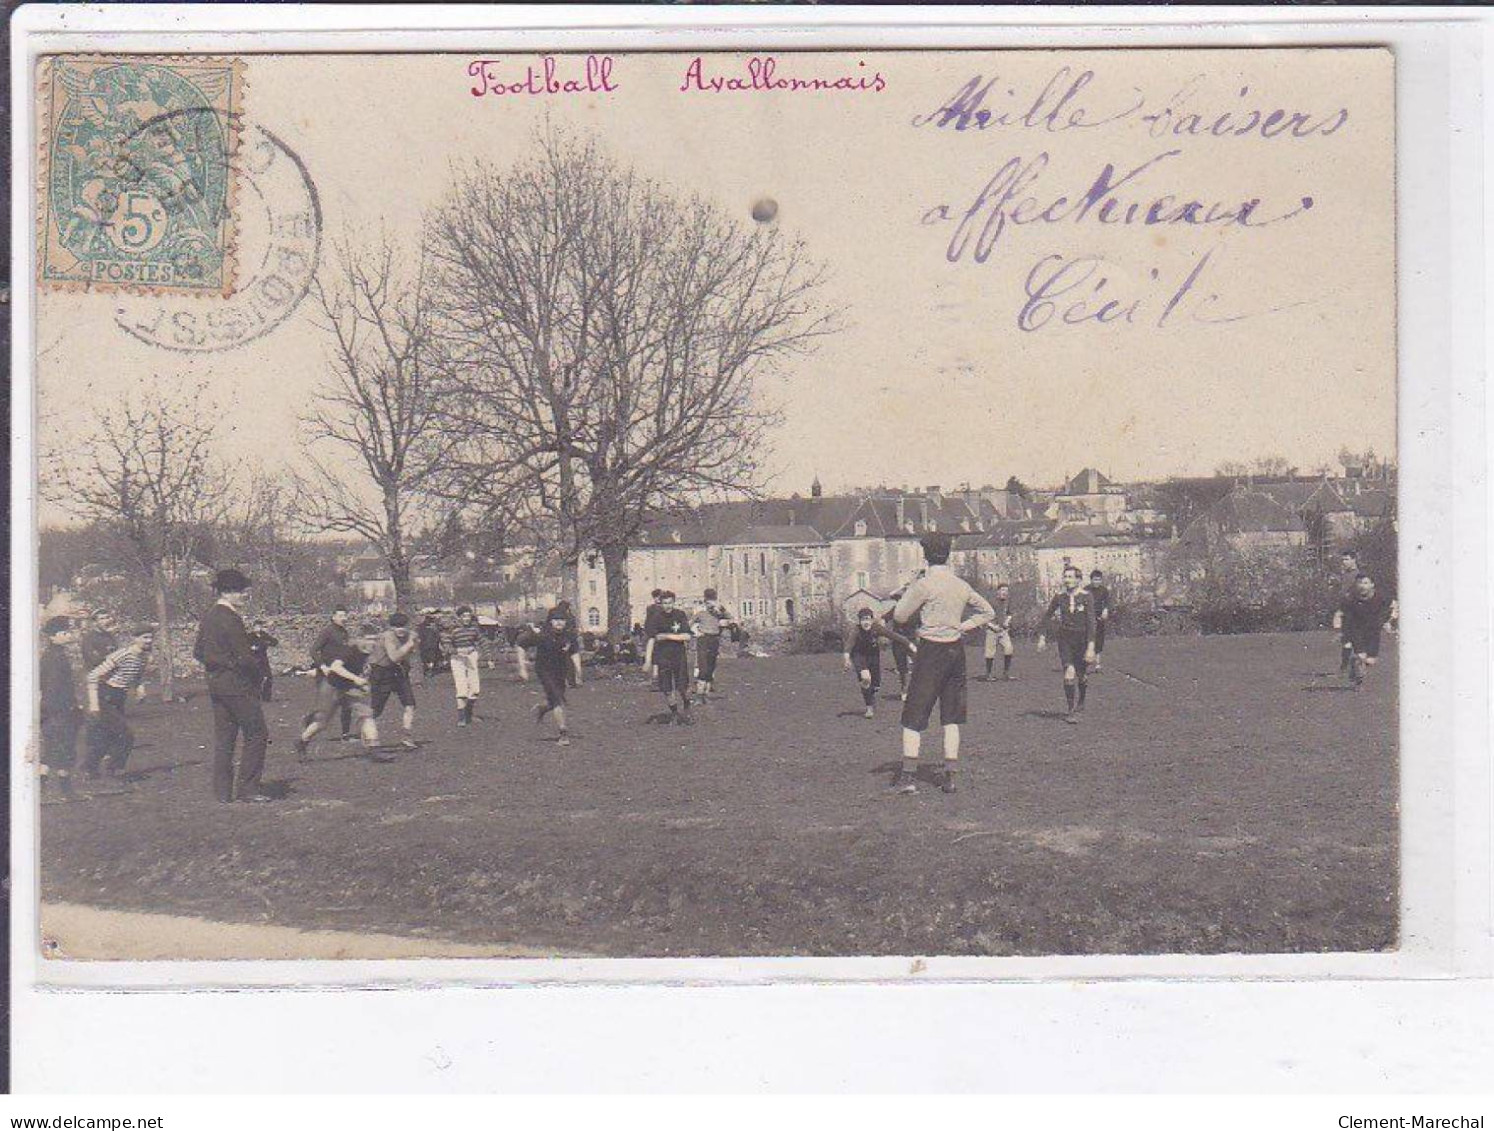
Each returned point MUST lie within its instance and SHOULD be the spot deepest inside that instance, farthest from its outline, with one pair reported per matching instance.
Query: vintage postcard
(702, 504)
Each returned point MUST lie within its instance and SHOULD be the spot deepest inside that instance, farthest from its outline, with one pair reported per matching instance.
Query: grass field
(1223, 794)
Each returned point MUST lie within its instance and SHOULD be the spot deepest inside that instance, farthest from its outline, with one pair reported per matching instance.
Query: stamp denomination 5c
(137, 185)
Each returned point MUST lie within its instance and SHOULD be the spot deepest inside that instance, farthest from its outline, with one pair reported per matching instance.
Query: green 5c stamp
(137, 186)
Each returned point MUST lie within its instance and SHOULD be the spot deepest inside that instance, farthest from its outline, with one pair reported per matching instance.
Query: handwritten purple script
(1141, 192)
(761, 75)
(549, 75)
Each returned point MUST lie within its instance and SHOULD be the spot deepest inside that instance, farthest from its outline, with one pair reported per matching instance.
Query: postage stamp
(137, 182)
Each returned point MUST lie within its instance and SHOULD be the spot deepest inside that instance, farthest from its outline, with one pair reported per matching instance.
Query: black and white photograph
(716, 505)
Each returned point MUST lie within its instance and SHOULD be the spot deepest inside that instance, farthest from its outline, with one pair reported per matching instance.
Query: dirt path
(72, 930)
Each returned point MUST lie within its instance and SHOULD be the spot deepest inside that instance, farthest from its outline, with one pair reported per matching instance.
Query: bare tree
(1273, 467)
(263, 535)
(376, 410)
(606, 340)
(146, 471)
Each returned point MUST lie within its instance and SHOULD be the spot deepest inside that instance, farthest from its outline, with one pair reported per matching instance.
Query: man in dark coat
(233, 675)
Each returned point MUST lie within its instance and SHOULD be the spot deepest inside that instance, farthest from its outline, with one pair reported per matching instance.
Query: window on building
(746, 608)
(593, 586)
(746, 564)
(762, 564)
(862, 582)
(594, 618)
(860, 528)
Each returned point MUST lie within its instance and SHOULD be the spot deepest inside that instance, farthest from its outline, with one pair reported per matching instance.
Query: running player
(389, 674)
(667, 651)
(332, 639)
(999, 635)
(1074, 610)
(464, 645)
(939, 599)
(1101, 593)
(863, 654)
(1360, 617)
(712, 619)
(109, 687)
(345, 686)
(557, 653)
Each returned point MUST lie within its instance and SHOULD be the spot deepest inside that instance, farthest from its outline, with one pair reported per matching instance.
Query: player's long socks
(1006, 666)
(912, 741)
(990, 666)
(951, 748)
(869, 695)
(1083, 686)
(1068, 693)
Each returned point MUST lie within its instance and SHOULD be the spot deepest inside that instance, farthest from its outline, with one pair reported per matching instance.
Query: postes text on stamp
(137, 185)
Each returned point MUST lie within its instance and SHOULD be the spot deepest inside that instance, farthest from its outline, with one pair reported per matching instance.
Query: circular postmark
(278, 232)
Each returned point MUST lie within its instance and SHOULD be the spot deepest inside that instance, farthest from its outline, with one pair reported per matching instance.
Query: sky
(957, 362)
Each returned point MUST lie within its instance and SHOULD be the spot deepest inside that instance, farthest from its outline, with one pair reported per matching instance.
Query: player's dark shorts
(674, 669)
(900, 657)
(938, 677)
(1071, 649)
(384, 681)
(868, 662)
(707, 648)
(552, 680)
(1365, 643)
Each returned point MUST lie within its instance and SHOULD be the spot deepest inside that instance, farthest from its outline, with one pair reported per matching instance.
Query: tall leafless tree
(147, 472)
(376, 409)
(606, 340)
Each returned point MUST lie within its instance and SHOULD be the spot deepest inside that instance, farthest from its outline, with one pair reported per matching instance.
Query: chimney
(901, 506)
(815, 490)
(933, 493)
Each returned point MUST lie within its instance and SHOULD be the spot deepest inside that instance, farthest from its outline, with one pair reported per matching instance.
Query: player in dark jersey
(863, 654)
(902, 653)
(557, 653)
(1348, 577)
(1361, 616)
(651, 617)
(669, 655)
(1074, 612)
(1101, 593)
(261, 640)
(345, 684)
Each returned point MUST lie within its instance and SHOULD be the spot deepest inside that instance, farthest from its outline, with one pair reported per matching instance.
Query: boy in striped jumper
(464, 646)
(109, 687)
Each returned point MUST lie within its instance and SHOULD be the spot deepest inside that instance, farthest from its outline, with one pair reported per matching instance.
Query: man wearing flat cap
(233, 678)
